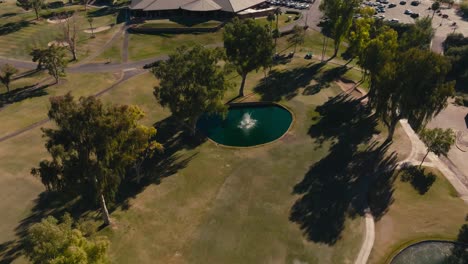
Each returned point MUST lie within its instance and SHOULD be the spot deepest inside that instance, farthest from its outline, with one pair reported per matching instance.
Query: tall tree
(92, 148)
(419, 35)
(52, 59)
(276, 32)
(360, 35)
(6, 73)
(35, 5)
(248, 46)
(379, 52)
(191, 83)
(51, 241)
(437, 141)
(340, 14)
(70, 31)
(400, 92)
(435, 6)
(297, 37)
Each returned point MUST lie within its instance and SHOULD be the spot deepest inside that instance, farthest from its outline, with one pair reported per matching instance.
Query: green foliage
(438, 140)
(456, 49)
(398, 91)
(419, 35)
(340, 14)
(51, 242)
(464, 7)
(36, 5)
(297, 37)
(52, 59)
(6, 73)
(359, 36)
(249, 46)
(191, 83)
(92, 147)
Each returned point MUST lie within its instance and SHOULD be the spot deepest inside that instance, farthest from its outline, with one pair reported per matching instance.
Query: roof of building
(197, 5)
(201, 5)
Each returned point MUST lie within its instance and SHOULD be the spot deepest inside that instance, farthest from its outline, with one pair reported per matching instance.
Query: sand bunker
(96, 30)
(58, 43)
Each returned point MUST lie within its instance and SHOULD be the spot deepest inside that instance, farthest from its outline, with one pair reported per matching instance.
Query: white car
(408, 12)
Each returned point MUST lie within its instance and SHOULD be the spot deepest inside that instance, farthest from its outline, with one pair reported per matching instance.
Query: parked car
(414, 15)
(408, 12)
(391, 5)
(394, 20)
(402, 2)
(415, 3)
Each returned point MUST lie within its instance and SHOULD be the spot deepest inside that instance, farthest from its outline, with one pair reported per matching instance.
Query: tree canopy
(249, 46)
(191, 83)
(399, 91)
(340, 14)
(92, 147)
(52, 59)
(437, 140)
(6, 73)
(419, 35)
(51, 241)
(297, 37)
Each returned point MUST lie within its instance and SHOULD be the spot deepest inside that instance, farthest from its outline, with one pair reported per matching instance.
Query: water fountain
(247, 122)
(246, 125)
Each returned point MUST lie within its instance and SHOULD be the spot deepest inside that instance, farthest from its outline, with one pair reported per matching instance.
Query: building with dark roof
(151, 8)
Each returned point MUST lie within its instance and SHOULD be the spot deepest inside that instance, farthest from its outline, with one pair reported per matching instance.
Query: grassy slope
(37, 34)
(438, 214)
(226, 206)
(28, 111)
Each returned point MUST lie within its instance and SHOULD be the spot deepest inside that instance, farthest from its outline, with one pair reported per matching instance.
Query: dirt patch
(97, 30)
(58, 43)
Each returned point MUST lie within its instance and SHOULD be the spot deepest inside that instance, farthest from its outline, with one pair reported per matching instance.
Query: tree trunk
(37, 13)
(7, 87)
(241, 90)
(104, 211)
(335, 51)
(425, 156)
(74, 53)
(391, 130)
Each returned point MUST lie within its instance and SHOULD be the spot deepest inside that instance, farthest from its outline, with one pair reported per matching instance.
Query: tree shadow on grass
(285, 84)
(163, 165)
(350, 178)
(174, 138)
(12, 27)
(21, 94)
(459, 254)
(46, 204)
(419, 179)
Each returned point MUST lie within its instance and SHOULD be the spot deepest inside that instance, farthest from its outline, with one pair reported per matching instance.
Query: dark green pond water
(246, 125)
(431, 252)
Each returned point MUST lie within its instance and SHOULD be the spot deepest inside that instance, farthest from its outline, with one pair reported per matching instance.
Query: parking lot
(298, 4)
(394, 10)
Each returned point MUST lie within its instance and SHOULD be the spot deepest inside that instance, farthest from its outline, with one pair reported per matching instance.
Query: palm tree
(435, 6)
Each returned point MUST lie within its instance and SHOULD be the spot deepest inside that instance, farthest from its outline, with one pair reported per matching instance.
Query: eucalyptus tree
(249, 46)
(92, 147)
(192, 82)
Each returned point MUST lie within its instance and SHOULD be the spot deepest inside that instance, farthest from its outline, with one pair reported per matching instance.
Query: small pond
(430, 252)
(247, 125)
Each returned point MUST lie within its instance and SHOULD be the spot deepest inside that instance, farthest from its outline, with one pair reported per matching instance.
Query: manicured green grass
(438, 214)
(20, 33)
(282, 20)
(142, 46)
(33, 109)
(226, 205)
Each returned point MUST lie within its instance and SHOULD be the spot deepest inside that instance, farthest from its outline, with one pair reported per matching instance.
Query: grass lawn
(113, 52)
(282, 21)
(213, 205)
(169, 23)
(143, 46)
(33, 109)
(234, 211)
(20, 32)
(438, 214)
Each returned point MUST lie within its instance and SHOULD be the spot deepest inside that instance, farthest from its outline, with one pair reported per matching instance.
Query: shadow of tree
(419, 179)
(286, 84)
(174, 138)
(338, 186)
(166, 164)
(459, 254)
(20, 94)
(11, 27)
